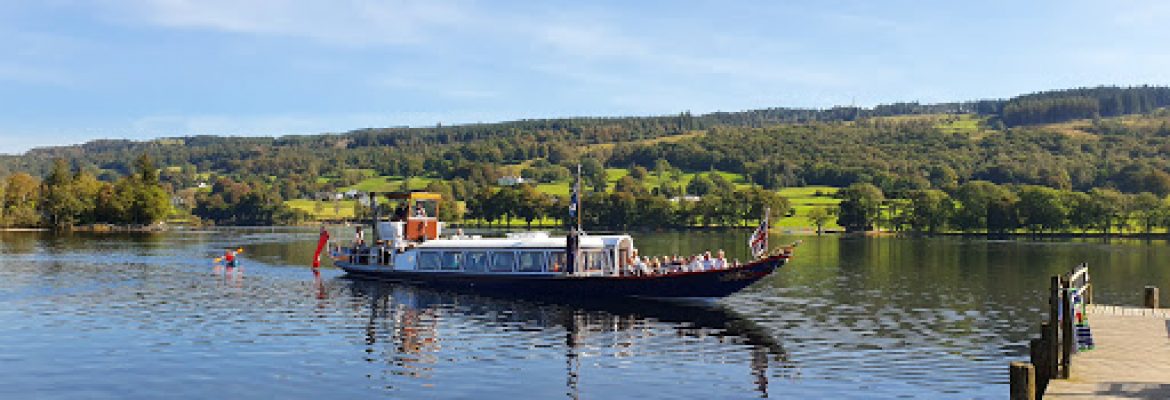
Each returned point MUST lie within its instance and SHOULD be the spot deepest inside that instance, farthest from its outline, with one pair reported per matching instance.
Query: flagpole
(578, 190)
(767, 227)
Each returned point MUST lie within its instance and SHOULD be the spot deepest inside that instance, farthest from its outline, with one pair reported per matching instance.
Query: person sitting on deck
(420, 211)
(400, 213)
(721, 260)
(630, 265)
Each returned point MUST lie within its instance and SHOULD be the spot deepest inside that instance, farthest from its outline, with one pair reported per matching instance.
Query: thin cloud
(345, 23)
(29, 75)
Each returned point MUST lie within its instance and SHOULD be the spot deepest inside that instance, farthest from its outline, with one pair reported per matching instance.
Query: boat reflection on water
(409, 317)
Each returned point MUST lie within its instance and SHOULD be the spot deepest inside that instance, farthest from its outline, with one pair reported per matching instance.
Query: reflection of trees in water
(408, 318)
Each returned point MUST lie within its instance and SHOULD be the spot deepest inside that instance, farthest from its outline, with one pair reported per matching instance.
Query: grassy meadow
(802, 199)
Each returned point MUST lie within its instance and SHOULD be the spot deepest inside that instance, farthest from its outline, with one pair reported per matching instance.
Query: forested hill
(1079, 139)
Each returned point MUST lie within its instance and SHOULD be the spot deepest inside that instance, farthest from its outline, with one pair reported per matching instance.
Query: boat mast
(577, 196)
(573, 239)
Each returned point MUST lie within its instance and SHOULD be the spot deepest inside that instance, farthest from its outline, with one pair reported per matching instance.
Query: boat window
(556, 261)
(475, 261)
(503, 261)
(531, 261)
(595, 260)
(429, 260)
(452, 261)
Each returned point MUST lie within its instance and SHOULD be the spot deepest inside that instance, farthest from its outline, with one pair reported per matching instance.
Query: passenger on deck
(708, 263)
(721, 260)
(359, 237)
(631, 264)
(400, 213)
(419, 211)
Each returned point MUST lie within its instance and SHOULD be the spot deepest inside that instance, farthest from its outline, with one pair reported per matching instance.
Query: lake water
(146, 316)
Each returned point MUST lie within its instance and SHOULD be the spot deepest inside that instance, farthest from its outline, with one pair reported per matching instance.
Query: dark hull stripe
(717, 283)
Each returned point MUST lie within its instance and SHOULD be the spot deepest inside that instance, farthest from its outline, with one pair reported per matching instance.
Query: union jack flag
(758, 242)
(573, 200)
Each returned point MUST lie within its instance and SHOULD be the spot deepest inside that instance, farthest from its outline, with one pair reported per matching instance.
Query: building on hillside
(510, 180)
(687, 198)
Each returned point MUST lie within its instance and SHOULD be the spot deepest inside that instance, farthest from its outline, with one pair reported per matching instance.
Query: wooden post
(1151, 297)
(1053, 328)
(1051, 356)
(1066, 329)
(1036, 348)
(1023, 381)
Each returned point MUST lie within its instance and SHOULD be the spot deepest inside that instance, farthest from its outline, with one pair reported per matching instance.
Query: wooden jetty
(1125, 355)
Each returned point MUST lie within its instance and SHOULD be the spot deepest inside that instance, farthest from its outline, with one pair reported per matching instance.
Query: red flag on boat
(758, 242)
(320, 246)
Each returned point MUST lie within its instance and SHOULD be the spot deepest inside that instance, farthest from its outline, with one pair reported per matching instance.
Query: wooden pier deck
(1131, 359)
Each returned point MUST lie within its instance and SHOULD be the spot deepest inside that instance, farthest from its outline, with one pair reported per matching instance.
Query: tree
(1110, 206)
(930, 210)
(1147, 208)
(1083, 212)
(593, 174)
(531, 204)
(661, 168)
(629, 184)
(944, 177)
(21, 195)
(60, 201)
(639, 173)
(859, 208)
(700, 185)
(976, 200)
(147, 172)
(819, 217)
(1042, 209)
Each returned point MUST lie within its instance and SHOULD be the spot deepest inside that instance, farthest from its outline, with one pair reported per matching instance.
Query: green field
(612, 175)
(803, 200)
(387, 184)
(328, 209)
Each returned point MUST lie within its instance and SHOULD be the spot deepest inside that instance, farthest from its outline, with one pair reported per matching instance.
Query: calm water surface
(147, 316)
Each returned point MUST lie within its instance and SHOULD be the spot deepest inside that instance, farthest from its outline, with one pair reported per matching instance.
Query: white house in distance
(687, 198)
(510, 180)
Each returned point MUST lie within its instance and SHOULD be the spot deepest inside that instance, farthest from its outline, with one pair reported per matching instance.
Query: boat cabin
(402, 217)
(409, 237)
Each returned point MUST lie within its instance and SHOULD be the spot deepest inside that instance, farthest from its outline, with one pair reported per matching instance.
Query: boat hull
(702, 284)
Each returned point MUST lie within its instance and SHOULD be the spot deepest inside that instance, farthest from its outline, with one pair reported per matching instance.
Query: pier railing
(1051, 353)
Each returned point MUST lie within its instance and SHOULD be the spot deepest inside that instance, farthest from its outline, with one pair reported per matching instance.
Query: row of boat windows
(506, 261)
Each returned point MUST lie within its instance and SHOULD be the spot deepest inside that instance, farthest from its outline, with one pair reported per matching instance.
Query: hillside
(1076, 139)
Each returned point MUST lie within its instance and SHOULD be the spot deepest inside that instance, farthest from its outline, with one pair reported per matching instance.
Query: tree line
(985, 207)
(66, 198)
(773, 148)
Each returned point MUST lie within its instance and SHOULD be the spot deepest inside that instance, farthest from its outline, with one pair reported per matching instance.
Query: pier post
(1052, 330)
(1036, 350)
(1151, 297)
(1023, 381)
(1066, 329)
(1051, 355)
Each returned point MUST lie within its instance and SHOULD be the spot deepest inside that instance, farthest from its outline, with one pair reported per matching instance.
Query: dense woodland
(911, 160)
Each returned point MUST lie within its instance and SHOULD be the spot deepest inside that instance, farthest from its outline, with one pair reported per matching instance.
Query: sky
(72, 71)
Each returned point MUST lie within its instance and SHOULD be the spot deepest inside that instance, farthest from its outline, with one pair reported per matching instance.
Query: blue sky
(73, 71)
